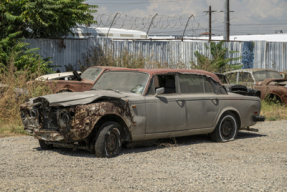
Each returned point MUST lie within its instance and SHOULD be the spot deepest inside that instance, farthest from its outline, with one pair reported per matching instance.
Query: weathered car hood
(78, 98)
(268, 81)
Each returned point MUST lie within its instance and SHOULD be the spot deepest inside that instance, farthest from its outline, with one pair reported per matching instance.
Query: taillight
(256, 112)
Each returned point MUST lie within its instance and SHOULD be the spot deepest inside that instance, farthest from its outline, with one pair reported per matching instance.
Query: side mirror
(159, 91)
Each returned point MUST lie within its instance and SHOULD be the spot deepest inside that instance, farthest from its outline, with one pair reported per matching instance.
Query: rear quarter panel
(244, 106)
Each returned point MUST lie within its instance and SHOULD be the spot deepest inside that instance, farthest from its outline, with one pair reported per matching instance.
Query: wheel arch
(125, 132)
(271, 95)
(64, 90)
(233, 111)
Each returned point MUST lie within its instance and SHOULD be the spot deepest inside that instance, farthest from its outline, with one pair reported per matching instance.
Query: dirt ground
(253, 162)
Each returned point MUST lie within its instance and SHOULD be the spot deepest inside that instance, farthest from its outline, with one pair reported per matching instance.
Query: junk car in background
(58, 76)
(79, 82)
(236, 88)
(269, 82)
(128, 105)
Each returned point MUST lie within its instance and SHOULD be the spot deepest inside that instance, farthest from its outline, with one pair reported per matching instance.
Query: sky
(249, 16)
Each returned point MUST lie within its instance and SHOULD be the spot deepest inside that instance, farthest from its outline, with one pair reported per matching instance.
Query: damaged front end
(70, 123)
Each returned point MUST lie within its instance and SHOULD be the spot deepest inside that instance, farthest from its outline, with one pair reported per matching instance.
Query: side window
(245, 77)
(218, 88)
(232, 77)
(165, 81)
(207, 85)
(190, 83)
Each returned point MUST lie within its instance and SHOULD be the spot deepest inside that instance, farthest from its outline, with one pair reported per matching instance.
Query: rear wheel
(45, 146)
(226, 129)
(108, 143)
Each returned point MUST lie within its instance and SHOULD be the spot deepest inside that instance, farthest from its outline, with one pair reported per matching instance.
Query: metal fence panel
(69, 51)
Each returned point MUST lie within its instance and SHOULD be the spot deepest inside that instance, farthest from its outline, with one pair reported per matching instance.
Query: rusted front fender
(84, 119)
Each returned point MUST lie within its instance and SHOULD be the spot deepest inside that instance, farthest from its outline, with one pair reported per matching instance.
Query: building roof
(268, 37)
(205, 33)
(248, 70)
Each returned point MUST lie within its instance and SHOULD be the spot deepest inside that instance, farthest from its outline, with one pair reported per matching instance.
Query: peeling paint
(71, 123)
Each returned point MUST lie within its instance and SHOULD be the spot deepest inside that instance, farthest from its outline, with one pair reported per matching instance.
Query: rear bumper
(259, 118)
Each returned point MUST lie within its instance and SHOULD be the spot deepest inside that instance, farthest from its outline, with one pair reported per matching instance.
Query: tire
(45, 146)
(108, 143)
(226, 129)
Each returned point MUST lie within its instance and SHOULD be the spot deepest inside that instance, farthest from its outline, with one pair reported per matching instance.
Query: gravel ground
(253, 162)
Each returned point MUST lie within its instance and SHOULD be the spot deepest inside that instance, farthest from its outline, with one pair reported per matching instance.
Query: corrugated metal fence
(69, 51)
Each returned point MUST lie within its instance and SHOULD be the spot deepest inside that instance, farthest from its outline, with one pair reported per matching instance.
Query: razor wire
(142, 23)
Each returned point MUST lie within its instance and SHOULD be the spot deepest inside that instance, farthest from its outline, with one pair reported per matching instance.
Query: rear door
(202, 104)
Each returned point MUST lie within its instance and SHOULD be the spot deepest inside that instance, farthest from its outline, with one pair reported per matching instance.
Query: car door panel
(165, 113)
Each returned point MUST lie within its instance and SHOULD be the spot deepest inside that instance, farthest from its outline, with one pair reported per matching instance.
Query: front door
(166, 112)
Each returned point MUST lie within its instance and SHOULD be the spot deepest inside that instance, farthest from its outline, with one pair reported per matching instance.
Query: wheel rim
(228, 128)
(111, 142)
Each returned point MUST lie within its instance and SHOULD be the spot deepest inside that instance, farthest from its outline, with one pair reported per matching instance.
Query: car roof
(166, 71)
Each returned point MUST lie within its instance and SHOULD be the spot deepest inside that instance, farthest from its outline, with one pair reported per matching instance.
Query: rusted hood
(78, 98)
(267, 81)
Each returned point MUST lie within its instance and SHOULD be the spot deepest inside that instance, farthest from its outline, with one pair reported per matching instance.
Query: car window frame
(150, 84)
(204, 76)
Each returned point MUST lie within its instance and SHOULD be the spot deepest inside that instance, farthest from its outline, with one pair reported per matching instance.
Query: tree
(38, 19)
(219, 62)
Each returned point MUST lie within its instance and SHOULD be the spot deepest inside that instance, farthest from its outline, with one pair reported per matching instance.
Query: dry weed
(14, 91)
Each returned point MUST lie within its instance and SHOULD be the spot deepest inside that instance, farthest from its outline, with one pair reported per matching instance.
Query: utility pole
(210, 12)
(226, 35)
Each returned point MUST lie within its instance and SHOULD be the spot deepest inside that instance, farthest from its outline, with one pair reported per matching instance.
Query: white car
(57, 76)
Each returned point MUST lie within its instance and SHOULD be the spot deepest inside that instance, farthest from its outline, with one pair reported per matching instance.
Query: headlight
(64, 117)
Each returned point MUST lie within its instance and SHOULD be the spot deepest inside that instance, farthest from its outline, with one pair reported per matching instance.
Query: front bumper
(258, 118)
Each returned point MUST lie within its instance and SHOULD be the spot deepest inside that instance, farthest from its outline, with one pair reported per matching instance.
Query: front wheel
(108, 143)
(226, 129)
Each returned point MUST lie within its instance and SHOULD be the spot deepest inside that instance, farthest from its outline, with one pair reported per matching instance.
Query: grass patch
(11, 129)
(273, 111)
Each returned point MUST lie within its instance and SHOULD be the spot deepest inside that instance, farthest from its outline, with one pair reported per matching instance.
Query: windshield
(133, 82)
(262, 75)
(91, 73)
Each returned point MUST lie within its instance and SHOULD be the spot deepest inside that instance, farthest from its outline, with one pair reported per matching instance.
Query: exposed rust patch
(72, 123)
(86, 116)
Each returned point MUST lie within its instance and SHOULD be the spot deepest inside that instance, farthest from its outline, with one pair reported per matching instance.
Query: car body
(57, 76)
(235, 88)
(269, 82)
(79, 84)
(128, 105)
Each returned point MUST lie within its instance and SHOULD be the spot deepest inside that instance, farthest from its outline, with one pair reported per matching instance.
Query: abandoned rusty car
(128, 105)
(269, 82)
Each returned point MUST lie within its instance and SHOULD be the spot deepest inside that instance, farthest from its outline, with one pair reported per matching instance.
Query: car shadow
(247, 135)
(69, 152)
(159, 144)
